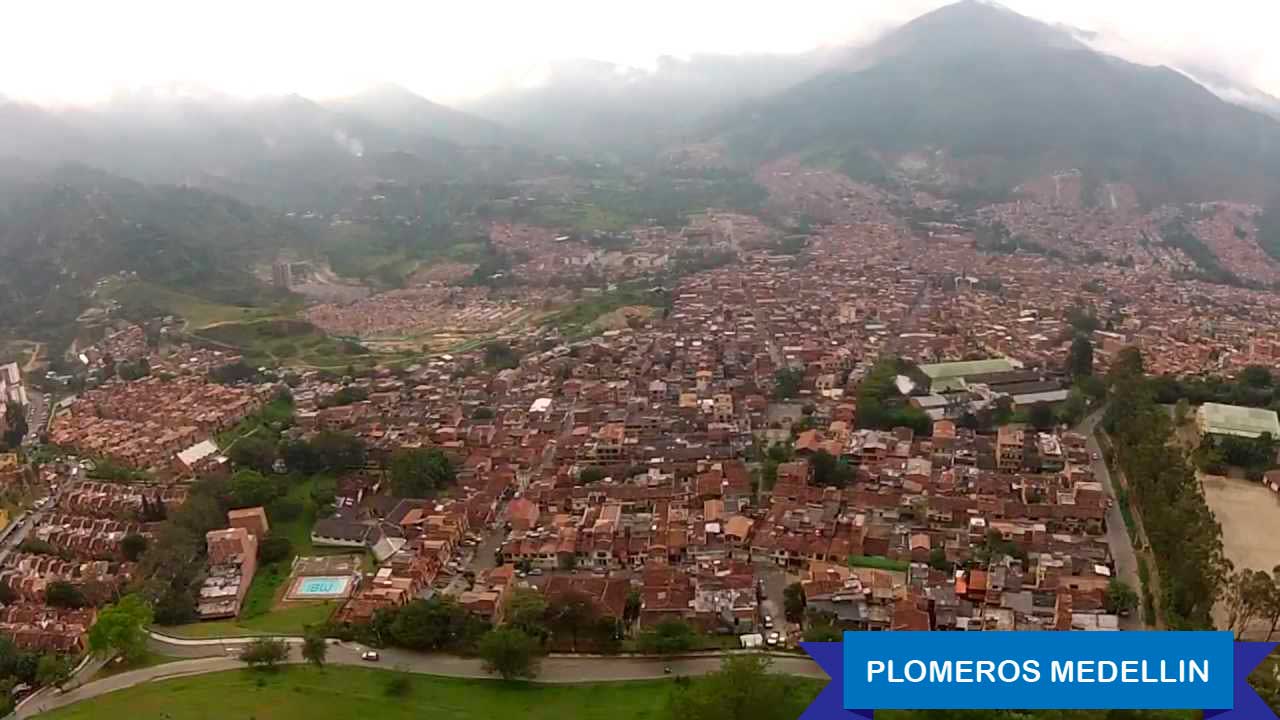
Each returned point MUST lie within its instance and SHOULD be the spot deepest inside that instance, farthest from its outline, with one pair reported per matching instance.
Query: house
(339, 532)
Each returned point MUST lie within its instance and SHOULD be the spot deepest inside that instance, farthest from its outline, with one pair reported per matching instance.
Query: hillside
(284, 152)
(62, 232)
(1004, 98)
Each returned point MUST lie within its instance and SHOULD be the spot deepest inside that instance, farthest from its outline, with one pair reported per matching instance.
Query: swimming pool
(321, 586)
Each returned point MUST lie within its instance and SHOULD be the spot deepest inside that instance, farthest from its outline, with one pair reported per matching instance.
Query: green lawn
(115, 667)
(340, 693)
(287, 621)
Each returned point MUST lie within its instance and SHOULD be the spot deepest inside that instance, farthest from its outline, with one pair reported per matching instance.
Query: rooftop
(1239, 421)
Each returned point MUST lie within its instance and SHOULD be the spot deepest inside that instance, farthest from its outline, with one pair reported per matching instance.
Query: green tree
(828, 470)
(315, 649)
(743, 689)
(274, 548)
(250, 488)
(253, 452)
(1080, 357)
(787, 383)
(669, 637)
(821, 632)
(264, 653)
(1256, 376)
(591, 474)
(53, 670)
(419, 473)
(526, 610)
(1041, 416)
(793, 602)
(631, 612)
(122, 628)
(510, 653)
(133, 546)
(63, 594)
(1182, 412)
(500, 356)
(15, 425)
(1120, 598)
(571, 613)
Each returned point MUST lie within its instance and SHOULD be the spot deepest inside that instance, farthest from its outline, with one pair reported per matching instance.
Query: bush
(284, 510)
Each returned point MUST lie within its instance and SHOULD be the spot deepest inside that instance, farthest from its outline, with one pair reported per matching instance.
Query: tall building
(282, 275)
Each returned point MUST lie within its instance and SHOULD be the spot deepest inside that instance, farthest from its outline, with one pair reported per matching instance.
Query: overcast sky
(82, 50)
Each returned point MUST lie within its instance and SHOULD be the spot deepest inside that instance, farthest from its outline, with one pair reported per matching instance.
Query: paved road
(209, 658)
(1117, 534)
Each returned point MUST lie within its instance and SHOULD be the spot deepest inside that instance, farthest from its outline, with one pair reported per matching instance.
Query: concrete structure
(1245, 422)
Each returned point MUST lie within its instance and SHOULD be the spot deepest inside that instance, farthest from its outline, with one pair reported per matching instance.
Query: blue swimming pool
(323, 586)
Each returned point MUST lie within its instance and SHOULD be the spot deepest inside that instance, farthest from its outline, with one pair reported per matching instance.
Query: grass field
(341, 693)
(198, 313)
(292, 343)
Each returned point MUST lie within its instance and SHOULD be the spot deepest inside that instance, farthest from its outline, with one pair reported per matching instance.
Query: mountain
(1000, 98)
(62, 231)
(283, 152)
(393, 107)
(615, 108)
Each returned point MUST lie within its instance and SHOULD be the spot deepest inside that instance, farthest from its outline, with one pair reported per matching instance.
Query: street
(216, 656)
(1117, 534)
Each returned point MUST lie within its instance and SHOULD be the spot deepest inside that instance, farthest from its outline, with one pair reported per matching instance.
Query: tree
(668, 638)
(500, 356)
(264, 653)
(635, 603)
(482, 413)
(63, 594)
(1120, 598)
(828, 470)
(133, 546)
(250, 488)
(821, 632)
(510, 653)
(53, 670)
(743, 689)
(315, 648)
(793, 602)
(1080, 357)
(419, 473)
(254, 453)
(787, 383)
(526, 611)
(15, 427)
(1041, 416)
(122, 628)
(274, 549)
(571, 613)
(591, 474)
(1256, 376)
(1182, 412)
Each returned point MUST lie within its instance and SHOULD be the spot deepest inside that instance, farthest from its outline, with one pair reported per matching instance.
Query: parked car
(370, 656)
(768, 622)
(535, 572)
(773, 639)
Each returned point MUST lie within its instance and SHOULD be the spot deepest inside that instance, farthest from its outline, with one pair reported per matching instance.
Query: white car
(370, 656)
(773, 639)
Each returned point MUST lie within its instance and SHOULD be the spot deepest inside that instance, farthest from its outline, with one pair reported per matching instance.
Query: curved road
(219, 655)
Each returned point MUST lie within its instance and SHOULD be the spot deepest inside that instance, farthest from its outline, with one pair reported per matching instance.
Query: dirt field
(1249, 513)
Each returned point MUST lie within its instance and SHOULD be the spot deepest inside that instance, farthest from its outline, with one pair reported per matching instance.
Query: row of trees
(1185, 537)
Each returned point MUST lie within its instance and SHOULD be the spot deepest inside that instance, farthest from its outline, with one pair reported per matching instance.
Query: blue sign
(1039, 670)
